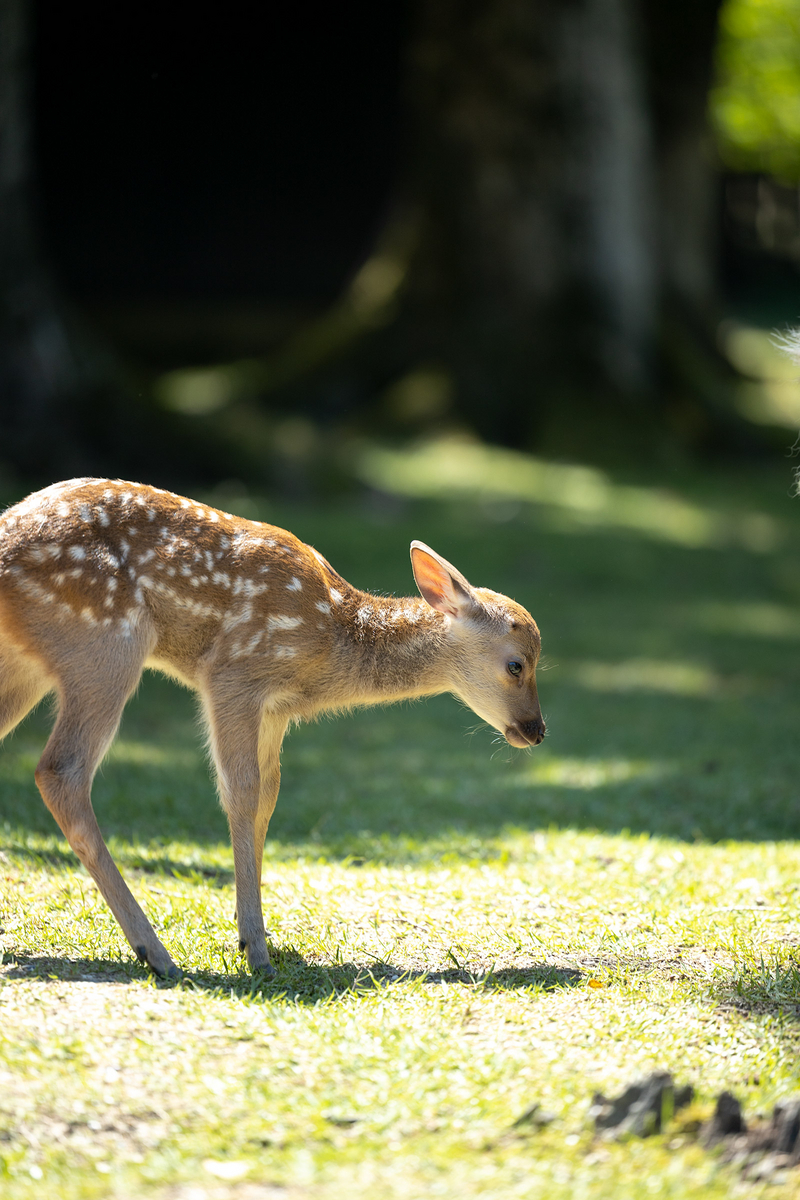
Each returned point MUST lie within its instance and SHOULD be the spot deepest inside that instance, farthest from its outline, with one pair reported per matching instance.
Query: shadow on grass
(62, 858)
(384, 786)
(392, 785)
(297, 979)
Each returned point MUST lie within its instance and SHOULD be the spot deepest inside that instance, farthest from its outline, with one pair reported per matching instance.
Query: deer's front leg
(234, 726)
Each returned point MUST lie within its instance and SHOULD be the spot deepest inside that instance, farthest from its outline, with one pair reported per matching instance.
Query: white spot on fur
(130, 621)
(283, 622)
(143, 582)
(285, 651)
(365, 614)
(103, 517)
(31, 588)
(295, 585)
(240, 651)
(85, 512)
(145, 558)
(323, 607)
(240, 617)
(336, 596)
(76, 553)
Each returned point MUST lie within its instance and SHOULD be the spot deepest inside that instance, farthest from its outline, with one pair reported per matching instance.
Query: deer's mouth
(525, 733)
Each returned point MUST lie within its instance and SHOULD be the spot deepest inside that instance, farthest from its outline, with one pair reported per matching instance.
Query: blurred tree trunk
(563, 177)
(37, 368)
(695, 381)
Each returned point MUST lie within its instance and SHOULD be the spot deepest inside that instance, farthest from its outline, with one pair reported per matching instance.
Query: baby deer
(100, 579)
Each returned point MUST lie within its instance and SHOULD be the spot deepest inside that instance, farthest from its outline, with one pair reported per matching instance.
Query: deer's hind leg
(90, 707)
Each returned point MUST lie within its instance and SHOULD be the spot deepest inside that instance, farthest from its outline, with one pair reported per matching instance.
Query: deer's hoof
(162, 968)
(264, 972)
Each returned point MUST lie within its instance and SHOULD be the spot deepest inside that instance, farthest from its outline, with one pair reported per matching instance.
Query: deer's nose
(533, 730)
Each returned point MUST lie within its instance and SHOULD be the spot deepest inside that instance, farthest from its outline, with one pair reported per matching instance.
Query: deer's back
(118, 558)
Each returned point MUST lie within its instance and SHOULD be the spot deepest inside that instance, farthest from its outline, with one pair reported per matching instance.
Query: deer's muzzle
(526, 733)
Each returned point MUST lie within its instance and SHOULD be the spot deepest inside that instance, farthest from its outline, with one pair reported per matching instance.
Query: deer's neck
(394, 648)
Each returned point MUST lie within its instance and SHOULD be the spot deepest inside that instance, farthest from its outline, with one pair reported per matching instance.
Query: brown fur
(100, 579)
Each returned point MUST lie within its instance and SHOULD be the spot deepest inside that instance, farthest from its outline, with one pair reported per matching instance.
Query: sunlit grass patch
(585, 773)
(763, 620)
(141, 753)
(418, 1012)
(649, 675)
(580, 496)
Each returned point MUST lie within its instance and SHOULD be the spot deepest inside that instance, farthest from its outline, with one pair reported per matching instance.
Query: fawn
(100, 579)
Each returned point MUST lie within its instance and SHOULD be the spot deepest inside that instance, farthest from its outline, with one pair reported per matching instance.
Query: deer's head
(495, 646)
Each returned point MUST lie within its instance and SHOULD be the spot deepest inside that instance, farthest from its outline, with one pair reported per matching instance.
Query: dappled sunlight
(750, 620)
(771, 393)
(586, 773)
(577, 496)
(150, 754)
(645, 675)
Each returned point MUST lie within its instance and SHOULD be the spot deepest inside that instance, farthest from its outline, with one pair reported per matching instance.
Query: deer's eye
(514, 667)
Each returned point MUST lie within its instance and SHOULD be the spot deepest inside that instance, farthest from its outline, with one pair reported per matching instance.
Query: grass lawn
(461, 930)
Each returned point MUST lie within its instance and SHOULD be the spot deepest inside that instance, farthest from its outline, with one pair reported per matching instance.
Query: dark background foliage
(382, 220)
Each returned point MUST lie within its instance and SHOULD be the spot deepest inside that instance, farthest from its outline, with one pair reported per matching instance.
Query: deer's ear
(440, 584)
